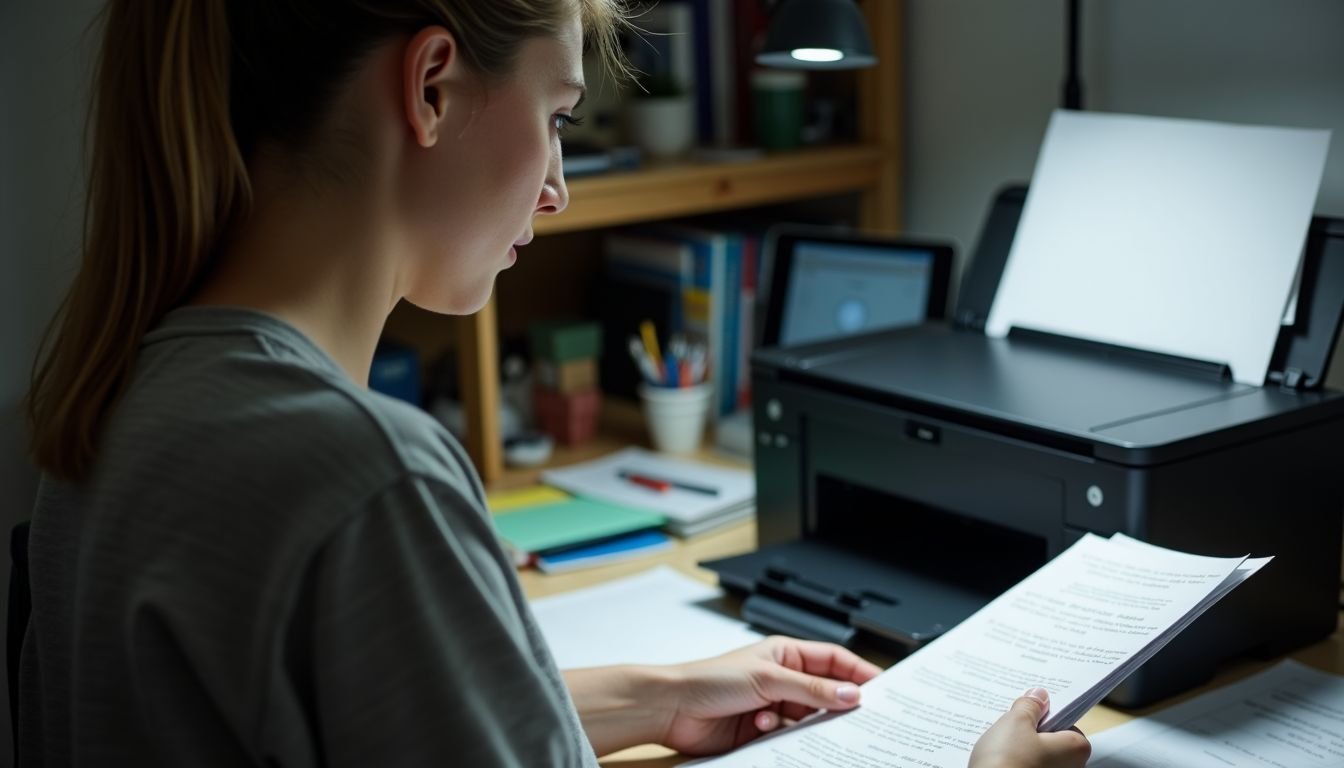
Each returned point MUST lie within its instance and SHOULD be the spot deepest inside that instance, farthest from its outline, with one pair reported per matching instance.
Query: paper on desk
(656, 617)
(1175, 236)
(1288, 715)
(601, 479)
(1067, 627)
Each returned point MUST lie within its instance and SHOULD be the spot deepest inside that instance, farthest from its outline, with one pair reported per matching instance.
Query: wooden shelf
(687, 189)
(872, 168)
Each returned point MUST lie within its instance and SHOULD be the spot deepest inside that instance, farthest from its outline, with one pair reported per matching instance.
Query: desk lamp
(817, 34)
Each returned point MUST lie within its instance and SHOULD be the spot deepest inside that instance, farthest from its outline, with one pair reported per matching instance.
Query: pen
(662, 485)
(643, 362)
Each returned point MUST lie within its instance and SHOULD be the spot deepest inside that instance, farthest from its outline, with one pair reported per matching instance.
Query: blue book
(610, 551)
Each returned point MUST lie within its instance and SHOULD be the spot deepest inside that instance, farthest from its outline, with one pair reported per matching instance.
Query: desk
(737, 539)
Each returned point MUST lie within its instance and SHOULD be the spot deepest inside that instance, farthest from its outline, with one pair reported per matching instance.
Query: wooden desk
(737, 539)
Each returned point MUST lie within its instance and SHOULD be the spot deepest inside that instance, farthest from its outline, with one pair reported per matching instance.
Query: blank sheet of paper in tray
(1173, 236)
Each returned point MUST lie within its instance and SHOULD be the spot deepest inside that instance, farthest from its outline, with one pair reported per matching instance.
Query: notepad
(548, 527)
(689, 509)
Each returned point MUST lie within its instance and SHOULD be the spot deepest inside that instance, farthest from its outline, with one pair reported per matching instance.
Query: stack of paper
(694, 497)
(567, 532)
(1076, 627)
(1288, 715)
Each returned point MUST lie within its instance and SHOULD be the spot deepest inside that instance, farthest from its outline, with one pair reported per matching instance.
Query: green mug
(777, 107)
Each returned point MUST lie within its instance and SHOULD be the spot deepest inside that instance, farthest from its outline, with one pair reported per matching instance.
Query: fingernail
(847, 693)
(765, 721)
(1039, 694)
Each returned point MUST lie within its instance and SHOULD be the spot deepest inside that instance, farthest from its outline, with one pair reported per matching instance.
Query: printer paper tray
(820, 590)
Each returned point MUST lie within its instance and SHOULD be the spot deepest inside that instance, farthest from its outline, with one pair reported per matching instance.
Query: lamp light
(817, 34)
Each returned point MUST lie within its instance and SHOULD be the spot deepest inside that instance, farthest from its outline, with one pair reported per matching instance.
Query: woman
(240, 556)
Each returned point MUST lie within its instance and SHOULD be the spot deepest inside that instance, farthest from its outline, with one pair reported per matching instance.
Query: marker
(662, 485)
(651, 345)
(673, 369)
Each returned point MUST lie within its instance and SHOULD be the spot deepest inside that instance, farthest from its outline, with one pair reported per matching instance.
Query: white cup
(676, 416)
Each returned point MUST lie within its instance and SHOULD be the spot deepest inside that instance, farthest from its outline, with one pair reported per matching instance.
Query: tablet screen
(839, 289)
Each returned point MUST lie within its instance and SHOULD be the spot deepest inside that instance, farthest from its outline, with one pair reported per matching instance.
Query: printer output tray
(818, 590)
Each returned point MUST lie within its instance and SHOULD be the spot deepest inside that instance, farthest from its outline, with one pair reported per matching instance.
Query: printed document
(1289, 716)
(1077, 627)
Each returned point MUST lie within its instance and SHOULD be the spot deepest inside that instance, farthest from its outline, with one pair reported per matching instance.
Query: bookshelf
(871, 168)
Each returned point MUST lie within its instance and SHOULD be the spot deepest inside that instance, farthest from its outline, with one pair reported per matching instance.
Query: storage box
(563, 342)
(569, 377)
(571, 418)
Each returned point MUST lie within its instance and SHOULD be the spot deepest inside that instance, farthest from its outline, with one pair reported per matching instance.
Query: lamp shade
(817, 34)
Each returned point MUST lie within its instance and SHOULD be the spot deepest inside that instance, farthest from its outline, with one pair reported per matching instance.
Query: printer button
(1094, 495)
(763, 438)
(925, 433)
(781, 441)
(774, 410)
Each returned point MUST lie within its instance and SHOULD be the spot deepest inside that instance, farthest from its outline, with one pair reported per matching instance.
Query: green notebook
(569, 523)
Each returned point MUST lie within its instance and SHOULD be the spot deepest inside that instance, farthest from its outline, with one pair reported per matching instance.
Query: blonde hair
(185, 91)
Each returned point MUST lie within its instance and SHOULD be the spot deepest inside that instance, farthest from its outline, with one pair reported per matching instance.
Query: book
(581, 159)
(697, 497)
(664, 44)
(1077, 627)
(705, 266)
(530, 530)
(610, 551)
(712, 304)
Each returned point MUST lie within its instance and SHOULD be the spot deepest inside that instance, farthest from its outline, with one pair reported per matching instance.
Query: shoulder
(249, 427)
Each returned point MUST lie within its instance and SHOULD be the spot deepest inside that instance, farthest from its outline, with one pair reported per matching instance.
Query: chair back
(20, 607)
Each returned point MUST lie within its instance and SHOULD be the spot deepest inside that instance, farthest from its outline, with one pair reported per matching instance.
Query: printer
(905, 478)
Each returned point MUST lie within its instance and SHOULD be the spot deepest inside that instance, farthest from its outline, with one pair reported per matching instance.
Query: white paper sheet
(1175, 236)
(656, 617)
(1289, 716)
(1066, 627)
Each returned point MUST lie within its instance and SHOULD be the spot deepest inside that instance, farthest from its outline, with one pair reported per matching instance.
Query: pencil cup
(676, 416)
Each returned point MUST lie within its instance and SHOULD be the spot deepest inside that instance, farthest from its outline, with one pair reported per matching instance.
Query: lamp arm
(1073, 84)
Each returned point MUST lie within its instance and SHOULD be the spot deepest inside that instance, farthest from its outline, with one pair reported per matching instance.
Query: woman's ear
(432, 62)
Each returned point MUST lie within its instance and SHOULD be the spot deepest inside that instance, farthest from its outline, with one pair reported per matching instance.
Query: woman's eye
(562, 122)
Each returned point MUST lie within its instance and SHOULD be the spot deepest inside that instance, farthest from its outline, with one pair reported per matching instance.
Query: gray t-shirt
(270, 566)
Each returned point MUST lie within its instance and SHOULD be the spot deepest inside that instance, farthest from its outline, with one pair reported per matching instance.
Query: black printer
(905, 478)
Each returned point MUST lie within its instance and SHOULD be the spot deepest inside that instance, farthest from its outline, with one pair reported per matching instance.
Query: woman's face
(472, 195)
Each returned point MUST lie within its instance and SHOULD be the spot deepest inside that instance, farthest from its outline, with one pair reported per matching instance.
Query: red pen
(661, 486)
(664, 485)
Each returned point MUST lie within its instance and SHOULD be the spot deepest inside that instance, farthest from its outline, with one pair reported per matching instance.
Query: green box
(563, 342)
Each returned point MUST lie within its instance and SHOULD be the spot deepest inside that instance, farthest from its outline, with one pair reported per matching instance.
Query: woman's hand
(1013, 742)
(720, 703)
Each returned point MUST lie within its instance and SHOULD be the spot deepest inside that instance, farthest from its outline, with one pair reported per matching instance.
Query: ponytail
(166, 179)
(185, 89)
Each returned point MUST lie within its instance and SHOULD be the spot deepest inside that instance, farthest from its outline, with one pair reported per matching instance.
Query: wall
(983, 76)
(44, 64)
